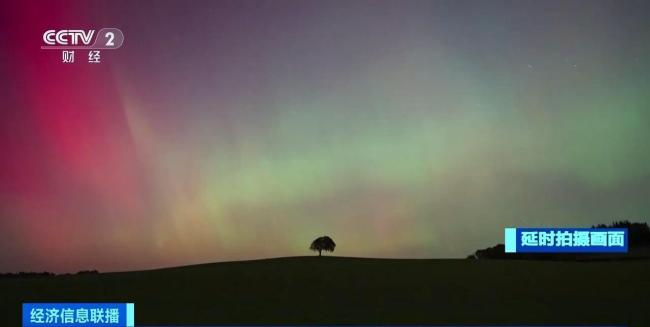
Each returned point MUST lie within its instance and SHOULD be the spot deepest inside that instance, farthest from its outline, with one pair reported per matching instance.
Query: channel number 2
(110, 36)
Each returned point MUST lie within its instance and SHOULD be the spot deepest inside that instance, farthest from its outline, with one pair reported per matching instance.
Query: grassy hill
(336, 290)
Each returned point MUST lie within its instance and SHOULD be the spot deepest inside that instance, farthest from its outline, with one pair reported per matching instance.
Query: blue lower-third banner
(79, 314)
(566, 240)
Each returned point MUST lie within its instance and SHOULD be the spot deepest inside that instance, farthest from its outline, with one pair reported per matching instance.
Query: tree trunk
(319, 252)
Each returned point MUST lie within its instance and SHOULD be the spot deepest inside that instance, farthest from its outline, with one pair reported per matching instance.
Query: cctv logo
(105, 38)
(89, 41)
(108, 38)
(68, 37)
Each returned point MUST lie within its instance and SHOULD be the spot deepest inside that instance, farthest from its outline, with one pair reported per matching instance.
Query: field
(337, 290)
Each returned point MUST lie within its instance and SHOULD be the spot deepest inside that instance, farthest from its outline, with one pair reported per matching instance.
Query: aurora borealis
(234, 130)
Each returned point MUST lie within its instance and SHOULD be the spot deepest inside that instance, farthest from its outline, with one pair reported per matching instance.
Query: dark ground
(336, 290)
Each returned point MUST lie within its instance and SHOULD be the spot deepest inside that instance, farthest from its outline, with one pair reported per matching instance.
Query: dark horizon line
(231, 261)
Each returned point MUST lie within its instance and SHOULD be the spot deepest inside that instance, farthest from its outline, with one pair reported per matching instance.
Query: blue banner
(566, 240)
(78, 314)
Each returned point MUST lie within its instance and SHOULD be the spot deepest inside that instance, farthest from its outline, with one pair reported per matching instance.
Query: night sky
(235, 130)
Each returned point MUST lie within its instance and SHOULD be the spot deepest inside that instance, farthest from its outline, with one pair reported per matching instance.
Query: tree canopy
(323, 243)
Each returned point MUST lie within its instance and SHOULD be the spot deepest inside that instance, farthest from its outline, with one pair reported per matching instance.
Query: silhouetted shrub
(86, 272)
(639, 233)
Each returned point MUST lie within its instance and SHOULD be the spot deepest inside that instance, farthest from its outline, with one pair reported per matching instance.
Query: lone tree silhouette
(323, 243)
